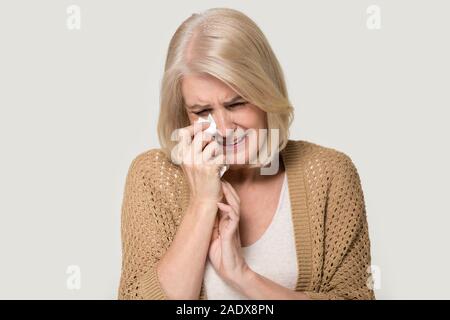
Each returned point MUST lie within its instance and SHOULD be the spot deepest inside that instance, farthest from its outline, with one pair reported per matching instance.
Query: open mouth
(235, 142)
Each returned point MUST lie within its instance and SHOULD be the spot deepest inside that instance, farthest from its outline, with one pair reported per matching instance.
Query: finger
(216, 222)
(238, 235)
(224, 215)
(184, 136)
(218, 159)
(224, 208)
(176, 154)
(201, 139)
(196, 127)
(215, 231)
(234, 192)
(230, 197)
(215, 234)
(234, 215)
(210, 150)
(187, 133)
(183, 139)
(227, 211)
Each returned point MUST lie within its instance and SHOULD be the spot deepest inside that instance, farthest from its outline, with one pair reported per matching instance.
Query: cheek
(191, 117)
(254, 118)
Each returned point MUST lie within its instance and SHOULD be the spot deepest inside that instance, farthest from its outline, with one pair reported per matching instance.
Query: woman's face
(204, 95)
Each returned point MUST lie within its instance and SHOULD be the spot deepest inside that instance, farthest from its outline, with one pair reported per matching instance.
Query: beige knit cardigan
(328, 213)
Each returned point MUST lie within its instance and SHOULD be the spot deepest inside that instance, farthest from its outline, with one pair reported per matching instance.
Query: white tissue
(212, 129)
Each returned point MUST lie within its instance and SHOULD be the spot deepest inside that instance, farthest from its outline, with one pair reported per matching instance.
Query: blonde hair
(229, 46)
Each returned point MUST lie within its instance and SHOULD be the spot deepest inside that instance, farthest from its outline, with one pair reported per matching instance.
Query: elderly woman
(188, 233)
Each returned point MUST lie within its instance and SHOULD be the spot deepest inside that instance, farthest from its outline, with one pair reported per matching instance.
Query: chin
(236, 167)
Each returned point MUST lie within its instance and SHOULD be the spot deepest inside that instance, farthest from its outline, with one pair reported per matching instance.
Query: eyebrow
(226, 104)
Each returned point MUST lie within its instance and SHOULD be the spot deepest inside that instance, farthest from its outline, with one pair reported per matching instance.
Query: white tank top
(274, 255)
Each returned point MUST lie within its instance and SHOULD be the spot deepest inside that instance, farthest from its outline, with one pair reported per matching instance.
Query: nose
(223, 122)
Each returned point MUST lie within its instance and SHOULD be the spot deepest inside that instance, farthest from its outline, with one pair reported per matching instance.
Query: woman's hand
(225, 247)
(200, 158)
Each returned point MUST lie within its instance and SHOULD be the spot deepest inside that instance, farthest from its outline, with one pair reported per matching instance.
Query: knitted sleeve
(346, 261)
(140, 232)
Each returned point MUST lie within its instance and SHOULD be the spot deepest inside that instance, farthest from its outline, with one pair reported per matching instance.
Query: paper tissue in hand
(212, 130)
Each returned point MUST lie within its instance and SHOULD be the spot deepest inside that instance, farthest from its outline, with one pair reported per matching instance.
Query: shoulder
(332, 180)
(149, 158)
(321, 161)
(153, 167)
(153, 159)
(311, 152)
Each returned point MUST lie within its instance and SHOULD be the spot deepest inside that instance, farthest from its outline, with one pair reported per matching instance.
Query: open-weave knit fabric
(328, 213)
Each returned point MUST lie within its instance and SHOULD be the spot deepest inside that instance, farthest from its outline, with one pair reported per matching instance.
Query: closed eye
(201, 113)
(205, 112)
(236, 104)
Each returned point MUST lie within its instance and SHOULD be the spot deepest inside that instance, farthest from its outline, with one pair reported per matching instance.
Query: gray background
(76, 106)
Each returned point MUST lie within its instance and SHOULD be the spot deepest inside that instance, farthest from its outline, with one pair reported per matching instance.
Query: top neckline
(280, 201)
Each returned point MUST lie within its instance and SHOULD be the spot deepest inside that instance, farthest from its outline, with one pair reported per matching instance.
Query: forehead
(205, 89)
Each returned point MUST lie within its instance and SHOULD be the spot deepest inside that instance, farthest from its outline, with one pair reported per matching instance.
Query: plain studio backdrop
(77, 105)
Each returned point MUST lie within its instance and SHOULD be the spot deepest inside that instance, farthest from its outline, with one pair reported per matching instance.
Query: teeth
(236, 141)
